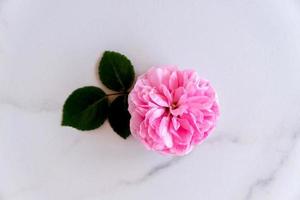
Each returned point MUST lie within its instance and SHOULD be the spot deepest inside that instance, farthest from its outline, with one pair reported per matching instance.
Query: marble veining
(262, 183)
(153, 171)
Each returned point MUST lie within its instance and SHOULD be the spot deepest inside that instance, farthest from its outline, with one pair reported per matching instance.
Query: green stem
(120, 93)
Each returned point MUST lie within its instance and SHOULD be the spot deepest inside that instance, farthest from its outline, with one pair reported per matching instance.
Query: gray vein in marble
(153, 172)
(265, 182)
(223, 137)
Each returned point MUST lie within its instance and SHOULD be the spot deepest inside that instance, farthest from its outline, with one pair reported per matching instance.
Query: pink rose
(172, 110)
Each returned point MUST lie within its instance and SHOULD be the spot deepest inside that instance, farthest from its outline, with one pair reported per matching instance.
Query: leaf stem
(120, 93)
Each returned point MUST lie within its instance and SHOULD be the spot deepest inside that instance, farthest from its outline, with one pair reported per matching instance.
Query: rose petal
(173, 81)
(164, 133)
(158, 99)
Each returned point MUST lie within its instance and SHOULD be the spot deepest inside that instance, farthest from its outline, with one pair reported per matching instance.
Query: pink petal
(156, 114)
(173, 81)
(167, 94)
(164, 133)
(155, 75)
(158, 99)
(201, 102)
(182, 99)
(175, 123)
(177, 94)
(179, 111)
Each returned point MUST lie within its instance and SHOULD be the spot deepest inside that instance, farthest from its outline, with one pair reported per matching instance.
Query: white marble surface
(250, 50)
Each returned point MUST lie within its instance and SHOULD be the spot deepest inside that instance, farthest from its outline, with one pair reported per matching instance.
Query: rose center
(174, 106)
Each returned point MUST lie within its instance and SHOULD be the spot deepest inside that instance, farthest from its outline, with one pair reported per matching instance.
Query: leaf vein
(117, 75)
(89, 107)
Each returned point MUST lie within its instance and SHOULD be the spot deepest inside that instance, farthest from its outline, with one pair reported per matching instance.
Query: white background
(249, 50)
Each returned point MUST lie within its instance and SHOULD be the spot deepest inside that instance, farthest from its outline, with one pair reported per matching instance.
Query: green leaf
(116, 71)
(119, 116)
(85, 109)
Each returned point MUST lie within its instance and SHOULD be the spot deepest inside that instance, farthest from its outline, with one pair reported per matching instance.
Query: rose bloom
(172, 110)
